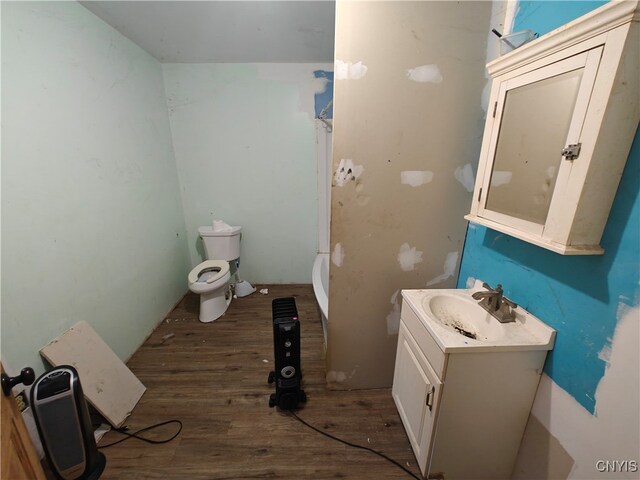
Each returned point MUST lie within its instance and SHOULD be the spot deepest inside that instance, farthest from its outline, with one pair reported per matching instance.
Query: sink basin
(464, 316)
(456, 321)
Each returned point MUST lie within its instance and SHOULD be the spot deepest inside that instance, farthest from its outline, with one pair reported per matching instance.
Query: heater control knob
(288, 371)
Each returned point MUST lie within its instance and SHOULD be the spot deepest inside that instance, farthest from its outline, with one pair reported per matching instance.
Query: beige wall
(409, 79)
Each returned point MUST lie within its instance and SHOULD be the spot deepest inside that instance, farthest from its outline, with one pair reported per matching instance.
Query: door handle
(429, 400)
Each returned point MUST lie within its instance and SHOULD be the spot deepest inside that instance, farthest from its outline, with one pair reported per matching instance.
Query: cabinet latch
(571, 152)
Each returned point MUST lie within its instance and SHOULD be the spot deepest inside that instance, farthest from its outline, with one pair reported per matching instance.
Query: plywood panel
(106, 381)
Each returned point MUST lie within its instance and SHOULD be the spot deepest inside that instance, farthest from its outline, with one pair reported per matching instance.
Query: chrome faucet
(494, 302)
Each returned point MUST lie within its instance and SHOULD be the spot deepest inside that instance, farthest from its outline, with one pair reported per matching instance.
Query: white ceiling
(225, 31)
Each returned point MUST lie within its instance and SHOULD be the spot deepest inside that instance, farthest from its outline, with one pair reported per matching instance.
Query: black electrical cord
(293, 414)
(129, 436)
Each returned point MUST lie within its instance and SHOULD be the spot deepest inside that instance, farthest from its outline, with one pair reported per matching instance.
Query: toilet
(211, 278)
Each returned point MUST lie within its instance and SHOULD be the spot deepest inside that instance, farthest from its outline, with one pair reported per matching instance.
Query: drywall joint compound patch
(415, 178)
(337, 256)
(393, 319)
(465, 176)
(425, 74)
(349, 71)
(449, 269)
(336, 376)
(408, 257)
(347, 171)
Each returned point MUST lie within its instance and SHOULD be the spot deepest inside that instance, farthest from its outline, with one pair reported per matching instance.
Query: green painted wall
(245, 145)
(92, 225)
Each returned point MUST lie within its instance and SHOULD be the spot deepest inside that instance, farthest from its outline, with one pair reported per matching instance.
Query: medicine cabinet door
(537, 115)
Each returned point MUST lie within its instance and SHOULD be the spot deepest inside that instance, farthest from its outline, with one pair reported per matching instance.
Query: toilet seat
(216, 280)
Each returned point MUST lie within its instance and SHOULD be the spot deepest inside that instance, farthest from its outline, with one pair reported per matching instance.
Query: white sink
(464, 316)
(456, 321)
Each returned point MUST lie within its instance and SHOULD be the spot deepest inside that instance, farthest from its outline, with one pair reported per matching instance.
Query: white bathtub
(320, 281)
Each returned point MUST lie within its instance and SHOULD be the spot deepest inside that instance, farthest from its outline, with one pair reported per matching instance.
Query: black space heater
(286, 346)
(63, 422)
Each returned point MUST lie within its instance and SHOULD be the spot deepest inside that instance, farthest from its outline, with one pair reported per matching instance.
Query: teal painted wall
(578, 296)
(542, 16)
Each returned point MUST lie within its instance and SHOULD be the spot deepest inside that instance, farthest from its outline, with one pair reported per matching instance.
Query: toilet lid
(219, 269)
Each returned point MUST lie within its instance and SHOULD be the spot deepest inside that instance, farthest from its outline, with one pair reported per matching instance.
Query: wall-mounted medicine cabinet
(564, 110)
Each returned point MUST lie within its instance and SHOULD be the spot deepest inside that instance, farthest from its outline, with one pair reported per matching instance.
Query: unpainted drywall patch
(408, 257)
(465, 176)
(393, 319)
(449, 269)
(469, 283)
(337, 256)
(415, 178)
(425, 74)
(349, 71)
(346, 172)
(541, 455)
(612, 430)
(500, 178)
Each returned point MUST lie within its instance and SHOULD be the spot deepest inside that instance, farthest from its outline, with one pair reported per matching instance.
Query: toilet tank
(221, 245)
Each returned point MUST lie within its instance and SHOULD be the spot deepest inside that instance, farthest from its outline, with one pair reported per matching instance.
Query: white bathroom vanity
(464, 401)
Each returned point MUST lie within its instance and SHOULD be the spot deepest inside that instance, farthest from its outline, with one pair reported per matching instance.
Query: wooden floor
(213, 377)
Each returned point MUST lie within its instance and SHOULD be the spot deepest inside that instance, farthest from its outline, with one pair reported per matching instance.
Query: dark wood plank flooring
(213, 377)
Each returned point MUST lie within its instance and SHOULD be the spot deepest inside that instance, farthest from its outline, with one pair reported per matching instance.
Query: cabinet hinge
(495, 108)
(571, 152)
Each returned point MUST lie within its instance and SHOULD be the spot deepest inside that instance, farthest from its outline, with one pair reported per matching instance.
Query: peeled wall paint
(92, 225)
(589, 394)
(414, 109)
(245, 145)
(324, 97)
(577, 295)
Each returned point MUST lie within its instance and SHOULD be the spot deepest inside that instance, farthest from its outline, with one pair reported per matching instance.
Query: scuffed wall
(407, 123)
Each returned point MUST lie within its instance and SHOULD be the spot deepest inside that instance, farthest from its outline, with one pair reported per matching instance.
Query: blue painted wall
(544, 16)
(578, 296)
(323, 98)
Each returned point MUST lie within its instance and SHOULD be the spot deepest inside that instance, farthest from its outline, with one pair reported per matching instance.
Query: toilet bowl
(210, 280)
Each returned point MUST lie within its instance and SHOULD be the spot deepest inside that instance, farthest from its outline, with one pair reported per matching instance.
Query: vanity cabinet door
(416, 390)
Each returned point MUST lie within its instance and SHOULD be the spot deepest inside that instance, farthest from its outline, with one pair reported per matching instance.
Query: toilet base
(213, 305)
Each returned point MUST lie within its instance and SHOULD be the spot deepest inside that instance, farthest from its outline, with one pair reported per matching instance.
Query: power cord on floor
(135, 434)
(293, 414)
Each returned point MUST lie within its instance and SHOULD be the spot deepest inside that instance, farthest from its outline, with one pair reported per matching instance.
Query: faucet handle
(509, 302)
(498, 288)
